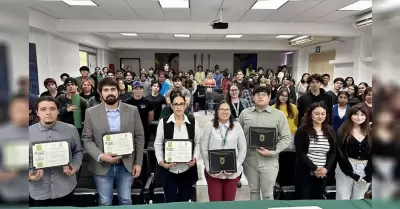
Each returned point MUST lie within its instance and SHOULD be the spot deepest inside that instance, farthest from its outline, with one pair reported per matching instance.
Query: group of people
(326, 125)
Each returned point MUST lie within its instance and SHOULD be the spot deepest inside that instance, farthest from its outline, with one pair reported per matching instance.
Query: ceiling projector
(220, 25)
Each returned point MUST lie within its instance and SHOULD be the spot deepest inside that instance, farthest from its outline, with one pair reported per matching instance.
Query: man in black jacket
(315, 94)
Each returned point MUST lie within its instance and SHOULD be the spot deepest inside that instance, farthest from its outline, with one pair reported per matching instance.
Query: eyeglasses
(224, 110)
(178, 105)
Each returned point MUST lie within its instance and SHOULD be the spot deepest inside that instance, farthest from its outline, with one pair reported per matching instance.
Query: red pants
(221, 189)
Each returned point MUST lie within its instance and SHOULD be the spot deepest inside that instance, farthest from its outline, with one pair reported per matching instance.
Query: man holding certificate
(55, 155)
(267, 133)
(114, 138)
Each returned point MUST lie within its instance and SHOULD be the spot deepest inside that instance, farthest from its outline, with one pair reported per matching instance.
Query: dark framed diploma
(263, 137)
(222, 160)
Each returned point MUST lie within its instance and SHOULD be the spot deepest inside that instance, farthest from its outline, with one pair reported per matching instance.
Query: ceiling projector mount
(218, 23)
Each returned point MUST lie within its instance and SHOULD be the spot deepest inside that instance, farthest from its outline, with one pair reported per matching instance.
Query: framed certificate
(50, 154)
(222, 160)
(263, 137)
(119, 143)
(15, 155)
(178, 150)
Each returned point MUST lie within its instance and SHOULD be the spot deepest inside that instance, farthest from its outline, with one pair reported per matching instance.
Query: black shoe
(239, 185)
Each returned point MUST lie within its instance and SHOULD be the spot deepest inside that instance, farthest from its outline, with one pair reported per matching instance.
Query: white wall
(14, 33)
(56, 55)
(351, 52)
(223, 58)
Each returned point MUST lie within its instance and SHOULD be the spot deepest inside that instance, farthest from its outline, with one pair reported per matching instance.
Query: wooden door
(319, 62)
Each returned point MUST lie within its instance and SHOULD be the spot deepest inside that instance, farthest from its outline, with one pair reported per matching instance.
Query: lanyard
(222, 136)
(237, 107)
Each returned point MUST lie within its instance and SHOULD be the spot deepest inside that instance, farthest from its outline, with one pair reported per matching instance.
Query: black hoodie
(308, 99)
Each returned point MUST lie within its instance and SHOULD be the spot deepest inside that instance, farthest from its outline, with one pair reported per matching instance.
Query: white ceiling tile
(335, 16)
(257, 37)
(322, 9)
(290, 10)
(150, 14)
(63, 9)
(96, 13)
(198, 36)
(203, 15)
(234, 10)
(46, 11)
(165, 36)
(256, 15)
(148, 36)
(177, 14)
(143, 4)
(346, 20)
(118, 9)
(205, 4)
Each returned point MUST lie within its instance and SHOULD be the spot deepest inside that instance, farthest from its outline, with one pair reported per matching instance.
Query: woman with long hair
(349, 81)
(289, 109)
(123, 90)
(177, 178)
(340, 109)
(223, 133)
(361, 89)
(237, 105)
(274, 88)
(367, 97)
(87, 89)
(354, 171)
(353, 95)
(302, 86)
(316, 152)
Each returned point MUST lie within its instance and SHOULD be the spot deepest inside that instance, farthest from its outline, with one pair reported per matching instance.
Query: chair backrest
(86, 179)
(201, 91)
(221, 97)
(287, 164)
(212, 96)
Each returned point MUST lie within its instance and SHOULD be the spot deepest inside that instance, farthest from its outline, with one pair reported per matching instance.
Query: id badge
(359, 167)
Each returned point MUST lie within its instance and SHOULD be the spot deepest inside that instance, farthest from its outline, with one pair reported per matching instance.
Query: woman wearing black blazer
(315, 151)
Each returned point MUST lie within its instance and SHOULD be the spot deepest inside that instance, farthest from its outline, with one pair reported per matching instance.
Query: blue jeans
(105, 185)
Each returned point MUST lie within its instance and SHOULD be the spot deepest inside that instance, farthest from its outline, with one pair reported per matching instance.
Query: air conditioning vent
(309, 40)
(363, 20)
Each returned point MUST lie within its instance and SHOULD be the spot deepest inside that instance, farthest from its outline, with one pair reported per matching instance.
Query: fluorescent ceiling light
(182, 35)
(299, 38)
(79, 2)
(285, 36)
(289, 53)
(233, 36)
(129, 34)
(174, 3)
(358, 6)
(269, 4)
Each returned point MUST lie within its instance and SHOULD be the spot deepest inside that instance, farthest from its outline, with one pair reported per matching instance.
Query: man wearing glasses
(261, 165)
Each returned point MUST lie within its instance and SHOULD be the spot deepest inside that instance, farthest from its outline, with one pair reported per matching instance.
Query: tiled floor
(202, 193)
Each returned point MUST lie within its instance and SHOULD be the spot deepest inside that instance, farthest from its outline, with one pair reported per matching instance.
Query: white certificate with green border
(50, 154)
(15, 155)
(178, 151)
(118, 143)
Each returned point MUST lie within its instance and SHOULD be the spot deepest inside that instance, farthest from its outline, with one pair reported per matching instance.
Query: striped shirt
(319, 147)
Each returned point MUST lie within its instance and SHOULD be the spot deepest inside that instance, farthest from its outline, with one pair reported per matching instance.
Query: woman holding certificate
(223, 148)
(315, 150)
(177, 150)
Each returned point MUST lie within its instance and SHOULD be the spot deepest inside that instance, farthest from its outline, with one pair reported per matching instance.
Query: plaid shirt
(246, 94)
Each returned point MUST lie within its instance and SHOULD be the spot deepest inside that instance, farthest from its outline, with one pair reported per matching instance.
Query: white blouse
(178, 134)
(212, 140)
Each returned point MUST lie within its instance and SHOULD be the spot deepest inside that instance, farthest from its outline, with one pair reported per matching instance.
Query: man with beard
(53, 186)
(145, 107)
(107, 118)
